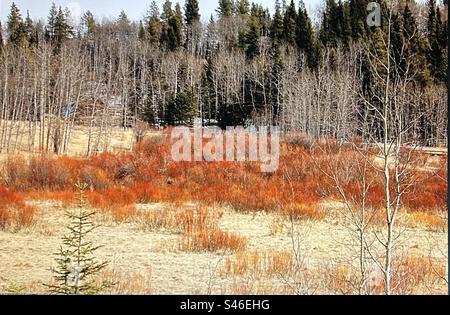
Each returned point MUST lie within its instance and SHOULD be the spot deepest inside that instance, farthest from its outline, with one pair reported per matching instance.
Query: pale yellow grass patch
(153, 262)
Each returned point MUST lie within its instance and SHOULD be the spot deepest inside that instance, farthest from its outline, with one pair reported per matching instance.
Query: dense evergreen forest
(328, 76)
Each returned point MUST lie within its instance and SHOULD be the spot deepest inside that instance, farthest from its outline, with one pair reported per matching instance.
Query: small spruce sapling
(76, 263)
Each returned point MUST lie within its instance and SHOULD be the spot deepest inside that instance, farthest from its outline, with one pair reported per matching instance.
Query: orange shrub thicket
(425, 189)
(14, 213)
(428, 192)
(120, 203)
(67, 198)
(147, 192)
(428, 195)
(149, 175)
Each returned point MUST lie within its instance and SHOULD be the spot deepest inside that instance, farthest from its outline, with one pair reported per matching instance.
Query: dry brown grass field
(215, 228)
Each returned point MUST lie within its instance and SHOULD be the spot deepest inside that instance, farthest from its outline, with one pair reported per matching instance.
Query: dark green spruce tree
(166, 18)
(305, 38)
(30, 31)
(398, 44)
(250, 41)
(89, 23)
(175, 31)
(226, 8)
(330, 28)
(51, 21)
(191, 12)
(344, 23)
(142, 34)
(435, 34)
(276, 29)
(123, 21)
(154, 25)
(181, 109)
(192, 19)
(290, 24)
(243, 7)
(358, 16)
(62, 29)
(150, 113)
(15, 27)
(416, 48)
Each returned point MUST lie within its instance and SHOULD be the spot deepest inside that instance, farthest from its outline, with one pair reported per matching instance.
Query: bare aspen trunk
(386, 155)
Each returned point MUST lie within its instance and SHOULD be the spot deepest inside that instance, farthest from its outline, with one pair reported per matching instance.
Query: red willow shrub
(148, 174)
(147, 192)
(45, 173)
(67, 198)
(428, 194)
(14, 213)
(120, 203)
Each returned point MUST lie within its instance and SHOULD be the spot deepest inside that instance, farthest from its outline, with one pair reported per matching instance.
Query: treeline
(245, 66)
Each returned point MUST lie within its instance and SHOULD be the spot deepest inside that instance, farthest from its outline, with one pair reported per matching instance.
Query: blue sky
(135, 9)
